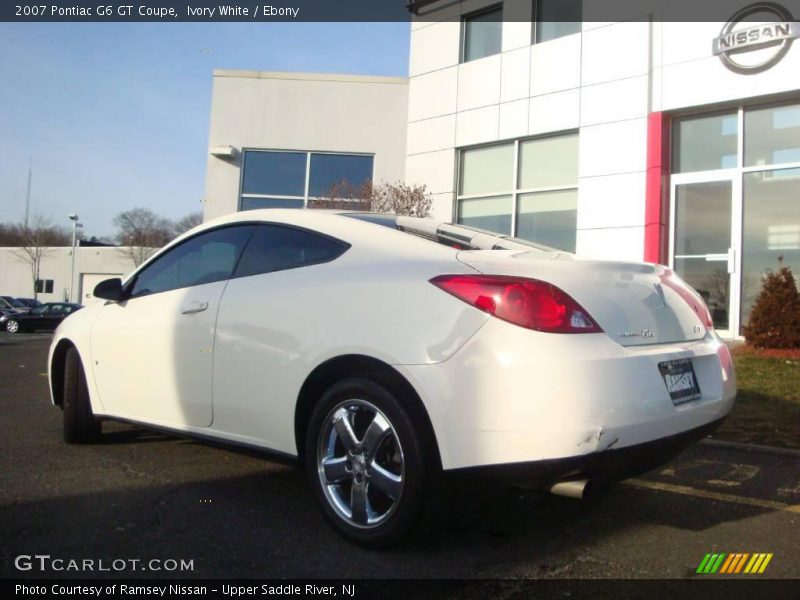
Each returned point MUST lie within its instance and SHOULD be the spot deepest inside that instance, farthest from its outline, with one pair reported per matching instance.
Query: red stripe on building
(656, 213)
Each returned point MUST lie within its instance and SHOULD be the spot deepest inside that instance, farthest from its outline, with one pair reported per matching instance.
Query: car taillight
(529, 303)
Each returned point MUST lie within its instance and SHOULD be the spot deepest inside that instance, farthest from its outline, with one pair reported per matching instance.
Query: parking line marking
(686, 490)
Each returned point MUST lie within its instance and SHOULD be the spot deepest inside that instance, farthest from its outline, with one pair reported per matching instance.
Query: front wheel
(12, 326)
(365, 463)
(80, 424)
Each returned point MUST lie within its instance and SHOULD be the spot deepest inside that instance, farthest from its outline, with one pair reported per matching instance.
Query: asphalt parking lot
(144, 495)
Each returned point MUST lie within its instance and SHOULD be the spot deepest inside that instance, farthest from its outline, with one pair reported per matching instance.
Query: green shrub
(775, 318)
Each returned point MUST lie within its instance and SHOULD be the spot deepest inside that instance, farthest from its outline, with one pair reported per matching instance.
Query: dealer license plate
(681, 381)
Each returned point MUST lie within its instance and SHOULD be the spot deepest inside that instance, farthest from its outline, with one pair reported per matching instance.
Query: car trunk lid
(634, 303)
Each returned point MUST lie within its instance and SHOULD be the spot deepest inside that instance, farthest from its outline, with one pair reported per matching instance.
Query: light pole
(74, 218)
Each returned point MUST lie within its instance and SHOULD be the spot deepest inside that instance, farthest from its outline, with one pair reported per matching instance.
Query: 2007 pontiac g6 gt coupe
(385, 351)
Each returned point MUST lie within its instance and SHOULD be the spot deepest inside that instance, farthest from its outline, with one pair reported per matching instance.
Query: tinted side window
(275, 248)
(205, 258)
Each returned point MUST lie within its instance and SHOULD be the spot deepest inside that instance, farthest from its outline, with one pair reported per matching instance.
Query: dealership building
(640, 139)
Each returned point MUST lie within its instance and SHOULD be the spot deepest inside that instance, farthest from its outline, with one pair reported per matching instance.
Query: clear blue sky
(116, 115)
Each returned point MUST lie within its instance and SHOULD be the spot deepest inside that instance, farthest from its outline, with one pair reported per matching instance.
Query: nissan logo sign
(757, 47)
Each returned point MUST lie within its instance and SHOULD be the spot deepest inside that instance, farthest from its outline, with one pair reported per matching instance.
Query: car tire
(13, 326)
(80, 424)
(371, 486)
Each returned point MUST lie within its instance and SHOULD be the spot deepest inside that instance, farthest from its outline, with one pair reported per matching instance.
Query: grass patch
(767, 409)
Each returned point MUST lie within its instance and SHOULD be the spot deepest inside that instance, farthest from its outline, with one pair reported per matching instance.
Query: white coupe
(385, 351)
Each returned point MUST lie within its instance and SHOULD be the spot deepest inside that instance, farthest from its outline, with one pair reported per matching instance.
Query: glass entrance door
(702, 245)
(735, 184)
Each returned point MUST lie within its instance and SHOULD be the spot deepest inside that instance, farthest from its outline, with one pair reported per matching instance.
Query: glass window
(491, 214)
(544, 197)
(44, 286)
(250, 203)
(772, 136)
(557, 18)
(205, 258)
(483, 34)
(712, 281)
(548, 162)
(329, 169)
(487, 170)
(705, 143)
(57, 309)
(287, 179)
(274, 173)
(274, 248)
(39, 310)
(550, 218)
(703, 218)
(770, 228)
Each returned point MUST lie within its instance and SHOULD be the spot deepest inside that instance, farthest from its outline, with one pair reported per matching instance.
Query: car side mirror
(110, 289)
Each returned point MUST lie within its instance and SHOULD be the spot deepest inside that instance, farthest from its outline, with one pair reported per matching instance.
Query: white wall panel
(611, 201)
(554, 112)
(616, 52)
(615, 101)
(432, 94)
(477, 126)
(515, 75)
(615, 243)
(434, 47)
(479, 83)
(613, 148)
(556, 65)
(513, 119)
(442, 207)
(431, 134)
(434, 169)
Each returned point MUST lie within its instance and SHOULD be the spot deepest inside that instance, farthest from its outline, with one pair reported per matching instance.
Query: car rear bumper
(511, 395)
(598, 467)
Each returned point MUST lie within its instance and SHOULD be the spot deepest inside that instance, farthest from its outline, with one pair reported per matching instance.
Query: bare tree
(36, 241)
(141, 232)
(188, 222)
(9, 235)
(398, 198)
(402, 199)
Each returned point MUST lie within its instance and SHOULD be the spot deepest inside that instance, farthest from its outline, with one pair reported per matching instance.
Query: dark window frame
(44, 286)
(304, 199)
(462, 51)
(535, 21)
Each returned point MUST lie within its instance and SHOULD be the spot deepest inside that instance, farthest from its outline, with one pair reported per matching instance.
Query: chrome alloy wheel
(360, 463)
(12, 326)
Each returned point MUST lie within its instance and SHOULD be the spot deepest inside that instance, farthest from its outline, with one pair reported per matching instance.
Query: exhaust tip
(572, 489)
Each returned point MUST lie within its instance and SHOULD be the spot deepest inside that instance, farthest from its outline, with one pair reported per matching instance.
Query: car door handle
(194, 307)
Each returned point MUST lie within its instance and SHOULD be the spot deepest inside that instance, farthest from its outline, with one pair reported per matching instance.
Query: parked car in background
(30, 302)
(42, 318)
(17, 304)
(385, 351)
(5, 304)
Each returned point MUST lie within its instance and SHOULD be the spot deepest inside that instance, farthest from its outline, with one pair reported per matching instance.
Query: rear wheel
(80, 424)
(365, 463)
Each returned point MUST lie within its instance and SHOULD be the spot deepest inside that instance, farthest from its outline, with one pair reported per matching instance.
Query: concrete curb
(751, 447)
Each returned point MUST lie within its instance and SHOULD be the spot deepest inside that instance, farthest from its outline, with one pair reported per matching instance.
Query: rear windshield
(454, 235)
